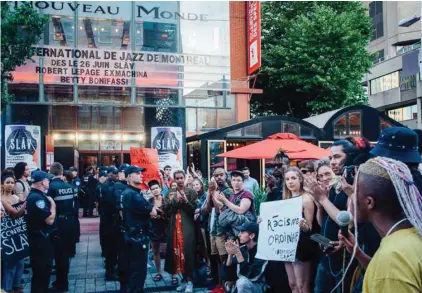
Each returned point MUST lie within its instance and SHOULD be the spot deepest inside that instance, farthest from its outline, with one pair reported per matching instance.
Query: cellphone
(324, 241)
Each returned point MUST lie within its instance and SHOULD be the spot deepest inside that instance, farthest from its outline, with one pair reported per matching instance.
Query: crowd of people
(207, 232)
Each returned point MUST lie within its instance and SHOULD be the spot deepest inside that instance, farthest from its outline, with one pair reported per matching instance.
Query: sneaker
(181, 288)
(189, 288)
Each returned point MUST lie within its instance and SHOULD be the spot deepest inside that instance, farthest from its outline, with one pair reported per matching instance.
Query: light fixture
(71, 136)
(125, 137)
(73, 27)
(95, 28)
(138, 32)
(117, 136)
(80, 27)
(94, 136)
(81, 136)
(56, 136)
(102, 29)
(103, 137)
(141, 137)
(117, 30)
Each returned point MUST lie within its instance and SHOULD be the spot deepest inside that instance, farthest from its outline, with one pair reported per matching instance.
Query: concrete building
(107, 73)
(394, 82)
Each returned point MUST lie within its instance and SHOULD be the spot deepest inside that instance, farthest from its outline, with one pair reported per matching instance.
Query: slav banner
(279, 229)
(14, 240)
(168, 141)
(148, 159)
(23, 144)
(254, 35)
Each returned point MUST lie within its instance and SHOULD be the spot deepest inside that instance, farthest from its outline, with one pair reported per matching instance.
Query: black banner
(14, 240)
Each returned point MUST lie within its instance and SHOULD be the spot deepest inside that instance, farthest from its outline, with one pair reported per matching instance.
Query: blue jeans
(12, 274)
(325, 281)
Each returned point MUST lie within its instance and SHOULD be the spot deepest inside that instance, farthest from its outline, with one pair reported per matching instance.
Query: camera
(349, 174)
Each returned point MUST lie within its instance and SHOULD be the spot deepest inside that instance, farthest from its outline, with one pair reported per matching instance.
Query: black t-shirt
(330, 229)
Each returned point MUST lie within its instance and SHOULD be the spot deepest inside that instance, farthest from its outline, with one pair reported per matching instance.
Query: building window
(404, 113)
(354, 124)
(340, 127)
(385, 83)
(404, 49)
(375, 12)
(378, 57)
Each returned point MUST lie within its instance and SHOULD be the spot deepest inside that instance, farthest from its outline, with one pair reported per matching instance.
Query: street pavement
(86, 273)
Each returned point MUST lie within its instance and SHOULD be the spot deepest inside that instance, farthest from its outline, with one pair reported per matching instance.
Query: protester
(330, 203)
(180, 204)
(241, 253)
(387, 197)
(167, 176)
(300, 271)
(63, 195)
(136, 217)
(250, 184)
(163, 186)
(12, 271)
(307, 167)
(198, 187)
(22, 174)
(159, 226)
(173, 185)
(189, 179)
(41, 226)
(217, 234)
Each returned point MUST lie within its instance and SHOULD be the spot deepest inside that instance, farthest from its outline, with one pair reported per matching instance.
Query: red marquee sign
(254, 35)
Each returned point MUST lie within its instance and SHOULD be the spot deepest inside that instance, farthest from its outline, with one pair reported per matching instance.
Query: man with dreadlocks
(387, 196)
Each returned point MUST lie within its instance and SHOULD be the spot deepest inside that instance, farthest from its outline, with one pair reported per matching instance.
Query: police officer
(77, 184)
(108, 222)
(122, 256)
(40, 220)
(63, 195)
(90, 185)
(136, 217)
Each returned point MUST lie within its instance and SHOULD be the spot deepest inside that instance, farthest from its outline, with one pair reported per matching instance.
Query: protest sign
(14, 240)
(279, 230)
(168, 142)
(148, 159)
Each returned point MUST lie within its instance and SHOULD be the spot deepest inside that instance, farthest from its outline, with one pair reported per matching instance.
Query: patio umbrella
(292, 146)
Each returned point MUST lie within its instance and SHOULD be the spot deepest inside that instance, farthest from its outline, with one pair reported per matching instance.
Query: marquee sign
(254, 35)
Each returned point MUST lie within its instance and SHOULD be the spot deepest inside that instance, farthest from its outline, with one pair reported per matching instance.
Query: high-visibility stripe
(63, 197)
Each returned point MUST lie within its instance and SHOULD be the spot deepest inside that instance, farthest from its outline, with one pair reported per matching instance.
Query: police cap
(133, 169)
(38, 176)
(102, 173)
(73, 169)
(113, 170)
(123, 167)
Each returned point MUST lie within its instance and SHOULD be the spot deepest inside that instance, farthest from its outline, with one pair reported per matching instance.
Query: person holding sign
(299, 272)
(181, 203)
(12, 270)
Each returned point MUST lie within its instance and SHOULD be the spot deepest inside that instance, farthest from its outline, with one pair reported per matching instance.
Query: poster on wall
(23, 144)
(279, 229)
(168, 143)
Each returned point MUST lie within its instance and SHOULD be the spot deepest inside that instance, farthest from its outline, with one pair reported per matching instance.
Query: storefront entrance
(87, 159)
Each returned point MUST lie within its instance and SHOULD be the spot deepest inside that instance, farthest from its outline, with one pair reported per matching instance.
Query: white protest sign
(279, 230)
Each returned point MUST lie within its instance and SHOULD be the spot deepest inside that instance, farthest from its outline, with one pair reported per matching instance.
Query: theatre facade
(107, 76)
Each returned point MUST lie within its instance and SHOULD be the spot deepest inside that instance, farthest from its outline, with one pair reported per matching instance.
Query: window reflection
(354, 124)
(404, 113)
(340, 127)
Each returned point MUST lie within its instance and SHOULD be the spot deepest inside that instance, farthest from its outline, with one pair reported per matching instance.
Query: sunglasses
(304, 171)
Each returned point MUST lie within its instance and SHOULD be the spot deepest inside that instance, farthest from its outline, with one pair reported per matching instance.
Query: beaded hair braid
(407, 193)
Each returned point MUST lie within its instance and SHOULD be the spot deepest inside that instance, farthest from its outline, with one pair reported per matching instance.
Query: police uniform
(39, 236)
(98, 199)
(122, 257)
(136, 219)
(63, 195)
(108, 221)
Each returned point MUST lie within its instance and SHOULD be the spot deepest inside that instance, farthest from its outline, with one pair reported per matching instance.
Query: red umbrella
(292, 146)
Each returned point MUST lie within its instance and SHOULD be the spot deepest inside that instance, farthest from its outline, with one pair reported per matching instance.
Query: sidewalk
(86, 273)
